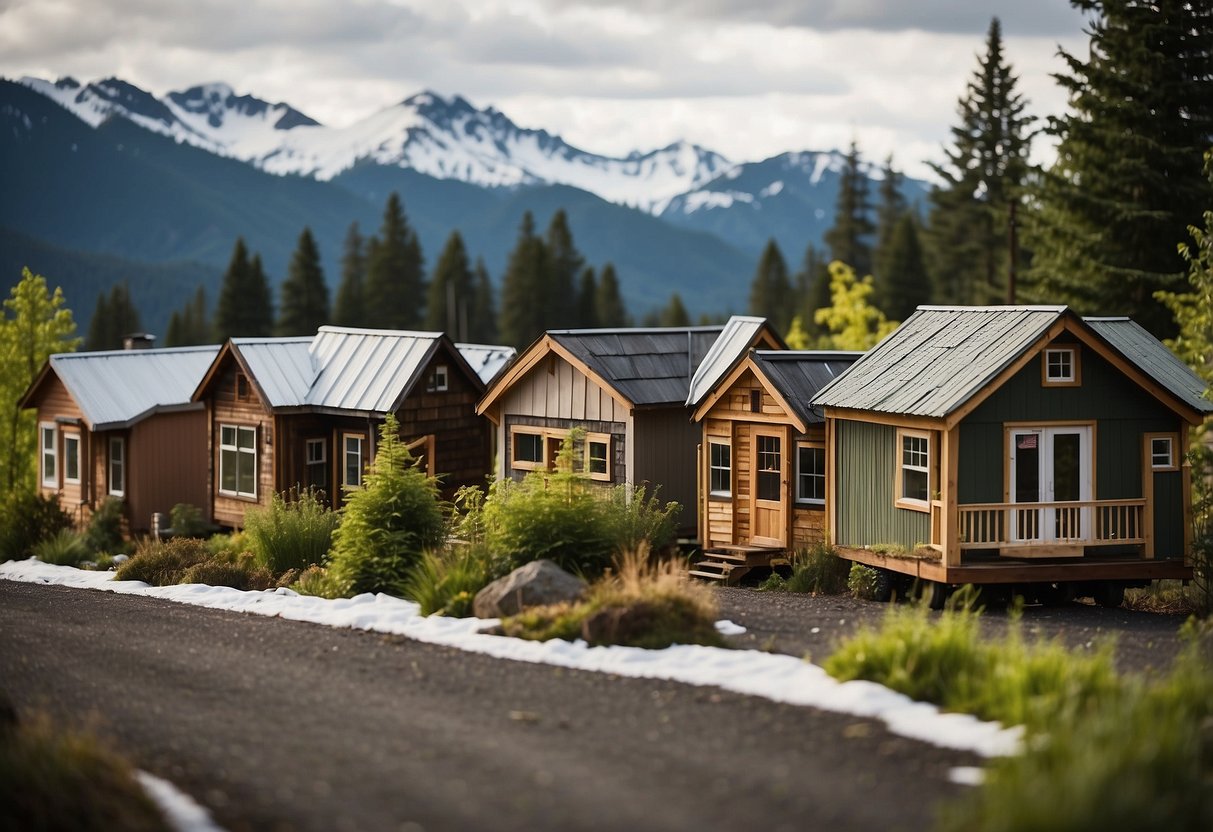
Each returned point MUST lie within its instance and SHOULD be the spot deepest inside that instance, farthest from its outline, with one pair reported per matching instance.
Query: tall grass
(163, 562)
(290, 533)
(816, 570)
(63, 548)
(446, 581)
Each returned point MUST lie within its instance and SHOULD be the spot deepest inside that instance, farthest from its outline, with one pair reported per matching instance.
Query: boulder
(536, 584)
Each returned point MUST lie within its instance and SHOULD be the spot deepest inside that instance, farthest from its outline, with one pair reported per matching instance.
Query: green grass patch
(446, 581)
(292, 532)
(63, 548)
(816, 570)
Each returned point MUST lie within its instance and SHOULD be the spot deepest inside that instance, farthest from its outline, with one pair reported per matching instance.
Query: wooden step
(713, 554)
(711, 576)
(745, 548)
(717, 565)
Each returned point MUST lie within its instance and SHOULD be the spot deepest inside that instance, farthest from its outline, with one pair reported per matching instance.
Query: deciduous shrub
(63, 548)
(862, 581)
(186, 520)
(290, 533)
(26, 518)
(105, 528)
(163, 562)
(386, 525)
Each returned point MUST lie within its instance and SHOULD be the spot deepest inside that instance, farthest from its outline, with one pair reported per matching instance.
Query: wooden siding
(1168, 514)
(665, 442)
(866, 516)
(226, 410)
(720, 529)
(808, 526)
(166, 464)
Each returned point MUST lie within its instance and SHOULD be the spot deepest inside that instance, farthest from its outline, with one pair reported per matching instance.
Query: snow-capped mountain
(447, 138)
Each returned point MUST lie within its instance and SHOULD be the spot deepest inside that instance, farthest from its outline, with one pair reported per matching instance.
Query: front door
(768, 485)
(1051, 465)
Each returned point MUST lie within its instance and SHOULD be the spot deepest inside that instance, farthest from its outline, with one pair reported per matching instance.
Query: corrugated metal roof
(938, 358)
(730, 347)
(117, 388)
(799, 374)
(648, 367)
(486, 359)
(281, 367)
(365, 369)
(1154, 359)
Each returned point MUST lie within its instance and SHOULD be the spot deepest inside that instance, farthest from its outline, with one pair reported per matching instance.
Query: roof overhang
(748, 364)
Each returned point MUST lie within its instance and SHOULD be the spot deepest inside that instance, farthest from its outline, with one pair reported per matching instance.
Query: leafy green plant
(187, 521)
(26, 518)
(386, 525)
(447, 581)
(315, 580)
(818, 570)
(227, 544)
(163, 562)
(636, 518)
(63, 779)
(862, 581)
(105, 528)
(63, 548)
(290, 533)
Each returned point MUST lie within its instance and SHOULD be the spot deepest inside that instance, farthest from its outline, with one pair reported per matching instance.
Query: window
(1061, 367)
(770, 468)
(1162, 453)
(317, 467)
(49, 439)
(437, 382)
(811, 474)
(527, 449)
(755, 401)
(116, 466)
(242, 388)
(71, 457)
(914, 470)
(238, 460)
(352, 445)
(720, 469)
(598, 456)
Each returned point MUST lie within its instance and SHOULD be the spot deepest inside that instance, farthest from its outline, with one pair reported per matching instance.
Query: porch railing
(1082, 523)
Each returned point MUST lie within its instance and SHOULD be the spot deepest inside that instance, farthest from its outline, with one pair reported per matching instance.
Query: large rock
(537, 584)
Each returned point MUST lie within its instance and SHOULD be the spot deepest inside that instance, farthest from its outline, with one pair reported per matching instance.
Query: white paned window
(437, 382)
(1162, 452)
(720, 469)
(116, 466)
(48, 443)
(914, 481)
(238, 460)
(1061, 366)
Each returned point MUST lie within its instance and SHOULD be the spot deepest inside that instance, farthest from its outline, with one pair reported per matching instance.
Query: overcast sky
(749, 78)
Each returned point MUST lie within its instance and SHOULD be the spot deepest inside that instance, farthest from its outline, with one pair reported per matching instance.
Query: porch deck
(1052, 530)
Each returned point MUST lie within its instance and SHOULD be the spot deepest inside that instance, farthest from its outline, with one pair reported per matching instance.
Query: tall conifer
(349, 308)
(770, 290)
(394, 291)
(484, 309)
(587, 299)
(305, 297)
(451, 293)
(521, 317)
(564, 267)
(610, 309)
(849, 239)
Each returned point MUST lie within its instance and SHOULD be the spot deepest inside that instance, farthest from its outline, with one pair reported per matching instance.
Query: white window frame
(118, 488)
(800, 474)
(439, 380)
(314, 459)
(48, 451)
(1071, 378)
(240, 452)
(725, 469)
(902, 467)
(1170, 463)
(360, 455)
(71, 442)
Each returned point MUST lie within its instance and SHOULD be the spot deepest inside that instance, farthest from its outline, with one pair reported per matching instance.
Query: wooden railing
(1085, 523)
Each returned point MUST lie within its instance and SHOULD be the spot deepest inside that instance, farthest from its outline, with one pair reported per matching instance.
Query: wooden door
(768, 487)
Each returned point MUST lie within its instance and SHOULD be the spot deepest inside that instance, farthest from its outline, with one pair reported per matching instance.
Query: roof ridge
(153, 351)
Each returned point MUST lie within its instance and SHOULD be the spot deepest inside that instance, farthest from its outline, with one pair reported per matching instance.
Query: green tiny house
(1013, 444)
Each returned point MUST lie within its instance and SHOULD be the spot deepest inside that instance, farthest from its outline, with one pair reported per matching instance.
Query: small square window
(1061, 366)
(1162, 452)
(316, 452)
(438, 380)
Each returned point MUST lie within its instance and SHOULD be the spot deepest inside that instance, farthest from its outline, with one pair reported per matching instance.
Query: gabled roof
(799, 374)
(281, 367)
(486, 359)
(944, 356)
(740, 334)
(115, 389)
(1153, 357)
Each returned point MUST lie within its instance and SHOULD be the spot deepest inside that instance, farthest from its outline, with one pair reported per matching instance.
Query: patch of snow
(701, 200)
(778, 678)
(183, 814)
(728, 628)
(772, 189)
(967, 775)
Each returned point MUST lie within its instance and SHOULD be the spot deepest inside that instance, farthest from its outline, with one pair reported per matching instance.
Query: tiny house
(120, 424)
(1014, 444)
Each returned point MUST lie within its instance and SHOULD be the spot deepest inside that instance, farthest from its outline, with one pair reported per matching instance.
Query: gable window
(437, 382)
(242, 388)
(1061, 367)
(353, 452)
(720, 469)
(1162, 453)
(238, 460)
(527, 449)
(914, 470)
(598, 456)
(317, 463)
(71, 457)
(116, 466)
(811, 474)
(49, 466)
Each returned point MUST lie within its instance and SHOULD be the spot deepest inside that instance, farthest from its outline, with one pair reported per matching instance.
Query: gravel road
(280, 725)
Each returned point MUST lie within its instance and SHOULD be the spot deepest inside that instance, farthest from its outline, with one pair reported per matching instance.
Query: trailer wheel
(1054, 595)
(1108, 593)
(932, 593)
(882, 589)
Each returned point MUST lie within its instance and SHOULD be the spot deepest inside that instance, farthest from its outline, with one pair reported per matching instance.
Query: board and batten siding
(166, 464)
(665, 442)
(865, 466)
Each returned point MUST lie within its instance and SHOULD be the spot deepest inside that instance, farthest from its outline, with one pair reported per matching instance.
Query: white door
(1051, 465)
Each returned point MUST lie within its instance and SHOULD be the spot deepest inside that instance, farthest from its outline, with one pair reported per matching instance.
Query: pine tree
(983, 179)
(100, 332)
(812, 290)
(394, 291)
(522, 314)
(483, 324)
(348, 308)
(1193, 308)
(1126, 184)
(190, 325)
(230, 320)
(113, 319)
(609, 309)
(260, 301)
(451, 294)
(888, 213)
(305, 297)
(587, 300)
(674, 314)
(849, 238)
(770, 290)
(564, 267)
(904, 284)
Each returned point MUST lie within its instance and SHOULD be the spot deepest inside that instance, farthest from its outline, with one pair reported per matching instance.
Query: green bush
(27, 518)
(819, 571)
(105, 528)
(447, 581)
(163, 562)
(187, 521)
(232, 544)
(862, 581)
(386, 525)
(635, 518)
(63, 548)
(242, 573)
(290, 534)
(315, 580)
(58, 780)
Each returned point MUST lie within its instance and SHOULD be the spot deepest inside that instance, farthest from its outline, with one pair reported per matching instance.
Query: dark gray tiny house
(1013, 444)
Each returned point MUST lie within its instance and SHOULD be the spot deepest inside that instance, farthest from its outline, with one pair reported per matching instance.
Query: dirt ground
(808, 625)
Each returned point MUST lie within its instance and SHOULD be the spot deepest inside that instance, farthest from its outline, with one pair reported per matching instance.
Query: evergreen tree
(812, 290)
(348, 308)
(674, 314)
(305, 297)
(260, 310)
(483, 324)
(522, 314)
(983, 178)
(244, 308)
(113, 319)
(189, 325)
(888, 214)
(609, 309)
(770, 291)
(394, 291)
(1126, 182)
(849, 238)
(564, 267)
(587, 300)
(904, 283)
(451, 294)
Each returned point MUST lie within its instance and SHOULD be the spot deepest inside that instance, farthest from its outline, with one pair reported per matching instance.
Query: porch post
(1185, 490)
(951, 504)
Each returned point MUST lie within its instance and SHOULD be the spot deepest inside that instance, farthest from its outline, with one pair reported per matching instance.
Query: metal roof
(729, 348)
(281, 367)
(486, 359)
(799, 374)
(648, 367)
(938, 359)
(1154, 359)
(117, 388)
